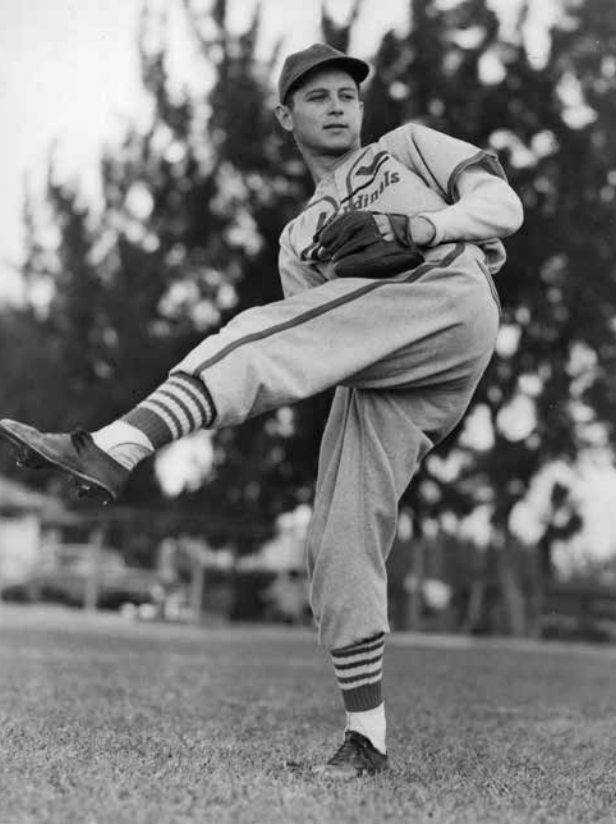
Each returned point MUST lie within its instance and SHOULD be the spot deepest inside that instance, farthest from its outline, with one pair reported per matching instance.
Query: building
(25, 516)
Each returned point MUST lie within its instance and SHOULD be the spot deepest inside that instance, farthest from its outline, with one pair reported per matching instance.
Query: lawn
(104, 720)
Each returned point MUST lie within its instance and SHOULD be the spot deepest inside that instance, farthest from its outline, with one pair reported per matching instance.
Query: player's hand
(368, 244)
(384, 226)
(422, 230)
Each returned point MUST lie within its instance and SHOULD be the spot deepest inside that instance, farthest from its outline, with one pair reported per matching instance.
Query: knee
(349, 607)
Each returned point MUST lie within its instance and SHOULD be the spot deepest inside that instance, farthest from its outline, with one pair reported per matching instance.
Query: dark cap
(320, 54)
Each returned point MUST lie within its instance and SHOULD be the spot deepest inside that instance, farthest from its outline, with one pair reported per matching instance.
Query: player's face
(326, 114)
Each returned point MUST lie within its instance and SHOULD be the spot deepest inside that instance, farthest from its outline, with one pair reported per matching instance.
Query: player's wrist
(423, 231)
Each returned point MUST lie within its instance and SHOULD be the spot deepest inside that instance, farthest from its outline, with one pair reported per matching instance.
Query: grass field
(107, 721)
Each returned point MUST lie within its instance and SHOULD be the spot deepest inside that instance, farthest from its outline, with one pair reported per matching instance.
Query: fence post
(197, 585)
(92, 586)
(415, 581)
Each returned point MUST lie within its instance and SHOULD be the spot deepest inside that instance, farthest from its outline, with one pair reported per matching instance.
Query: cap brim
(358, 69)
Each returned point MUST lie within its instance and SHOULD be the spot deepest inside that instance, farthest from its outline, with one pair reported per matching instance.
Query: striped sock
(359, 671)
(178, 407)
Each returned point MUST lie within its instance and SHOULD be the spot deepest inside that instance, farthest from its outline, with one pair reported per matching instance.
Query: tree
(551, 374)
(187, 237)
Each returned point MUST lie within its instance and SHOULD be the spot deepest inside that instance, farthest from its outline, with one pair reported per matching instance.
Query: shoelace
(351, 746)
(80, 438)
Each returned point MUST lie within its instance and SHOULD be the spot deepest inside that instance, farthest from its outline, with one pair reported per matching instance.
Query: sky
(69, 76)
(68, 73)
(69, 79)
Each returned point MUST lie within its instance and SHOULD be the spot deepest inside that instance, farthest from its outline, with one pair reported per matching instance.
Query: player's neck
(322, 166)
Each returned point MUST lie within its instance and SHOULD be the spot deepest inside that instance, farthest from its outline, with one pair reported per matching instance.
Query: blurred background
(143, 187)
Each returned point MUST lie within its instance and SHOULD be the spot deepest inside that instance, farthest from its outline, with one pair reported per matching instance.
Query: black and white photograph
(308, 411)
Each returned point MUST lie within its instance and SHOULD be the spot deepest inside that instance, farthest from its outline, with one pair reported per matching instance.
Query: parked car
(73, 573)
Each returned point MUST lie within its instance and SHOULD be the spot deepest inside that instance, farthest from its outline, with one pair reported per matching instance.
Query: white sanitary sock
(126, 444)
(371, 724)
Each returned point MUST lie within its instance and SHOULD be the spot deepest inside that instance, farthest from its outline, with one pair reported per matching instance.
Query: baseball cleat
(354, 758)
(97, 475)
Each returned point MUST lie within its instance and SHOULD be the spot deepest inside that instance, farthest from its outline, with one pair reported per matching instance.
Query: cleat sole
(93, 492)
(24, 456)
(28, 457)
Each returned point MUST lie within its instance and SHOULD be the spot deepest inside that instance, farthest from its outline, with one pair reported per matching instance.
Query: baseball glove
(354, 243)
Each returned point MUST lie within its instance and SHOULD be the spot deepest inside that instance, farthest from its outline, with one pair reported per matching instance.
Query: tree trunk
(543, 575)
(512, 596)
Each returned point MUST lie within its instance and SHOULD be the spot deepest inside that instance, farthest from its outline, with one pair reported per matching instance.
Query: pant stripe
(315, 312)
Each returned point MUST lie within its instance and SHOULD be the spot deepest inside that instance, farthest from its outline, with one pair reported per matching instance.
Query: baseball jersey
(412, 170)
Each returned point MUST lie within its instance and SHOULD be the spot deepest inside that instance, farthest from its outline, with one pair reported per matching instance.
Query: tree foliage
(455, 72)
(187, 237)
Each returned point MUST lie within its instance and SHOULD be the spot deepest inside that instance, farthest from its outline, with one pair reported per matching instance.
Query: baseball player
(389, 298)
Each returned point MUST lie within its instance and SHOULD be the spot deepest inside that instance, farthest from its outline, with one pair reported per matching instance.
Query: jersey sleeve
(439, 158)
(295, 275)
(487, 208)
(481, 206)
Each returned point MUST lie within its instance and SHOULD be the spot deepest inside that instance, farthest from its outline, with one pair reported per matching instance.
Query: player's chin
(339, 140)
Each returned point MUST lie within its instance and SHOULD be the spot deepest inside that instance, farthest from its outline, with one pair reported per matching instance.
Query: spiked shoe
(354, 758)
(97, 475)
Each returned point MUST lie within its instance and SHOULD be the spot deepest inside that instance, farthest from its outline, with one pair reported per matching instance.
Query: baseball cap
(299, 64)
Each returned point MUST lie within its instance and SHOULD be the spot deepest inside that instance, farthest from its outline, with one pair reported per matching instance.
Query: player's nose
(335, 106)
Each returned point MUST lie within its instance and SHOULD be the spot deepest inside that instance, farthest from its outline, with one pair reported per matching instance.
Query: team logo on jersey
(326, 208)
(365, 181)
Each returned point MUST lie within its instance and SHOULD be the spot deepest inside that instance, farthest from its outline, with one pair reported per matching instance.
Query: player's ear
(284, 117)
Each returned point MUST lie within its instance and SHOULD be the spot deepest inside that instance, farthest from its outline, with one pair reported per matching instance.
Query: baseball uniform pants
(405, 355)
